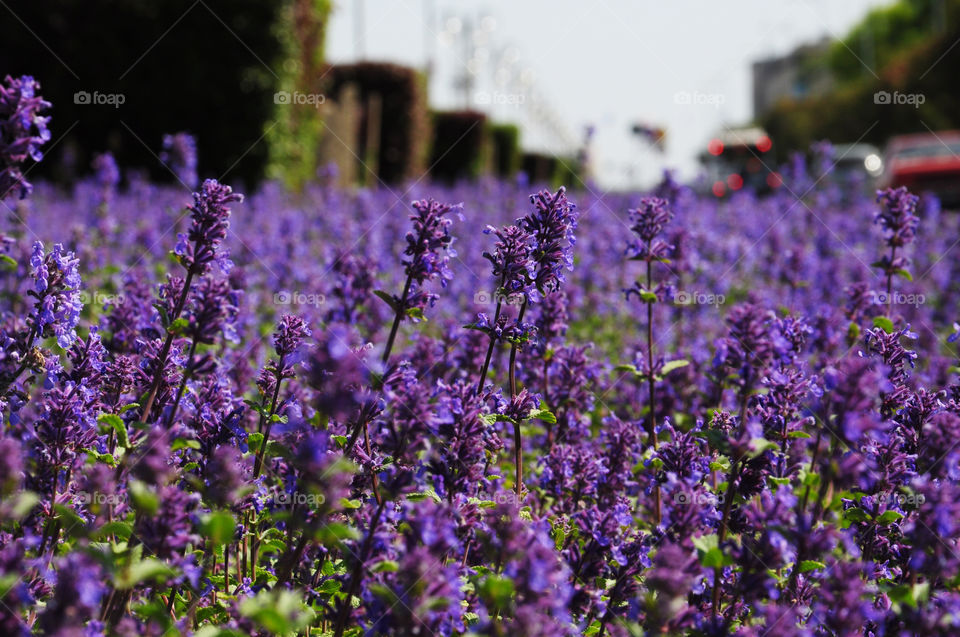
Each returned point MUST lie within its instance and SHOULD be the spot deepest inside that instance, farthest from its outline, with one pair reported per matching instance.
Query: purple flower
(552, 225)
(22, 131)
(210, 214)
(897, 217)
(107, 175)
(57, 293)
(180, 155)
(511, 259)
(289, 336)
(428, 250)
(648, 223)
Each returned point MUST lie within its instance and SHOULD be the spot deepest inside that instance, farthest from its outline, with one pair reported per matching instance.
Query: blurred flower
(22, 131)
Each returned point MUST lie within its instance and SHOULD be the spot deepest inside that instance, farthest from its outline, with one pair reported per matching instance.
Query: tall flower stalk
(196, 251)
(426, 258)
(22, 131)
(648, 223)
(898, 220)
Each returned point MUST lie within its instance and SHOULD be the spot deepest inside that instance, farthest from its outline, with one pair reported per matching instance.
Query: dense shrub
(461, 145)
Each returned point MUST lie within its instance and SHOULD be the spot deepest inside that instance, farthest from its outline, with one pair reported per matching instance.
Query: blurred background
(606, 93)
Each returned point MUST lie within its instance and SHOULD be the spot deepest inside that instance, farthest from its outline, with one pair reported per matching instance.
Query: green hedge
(210, 69)
(461, 145)
(505, 140)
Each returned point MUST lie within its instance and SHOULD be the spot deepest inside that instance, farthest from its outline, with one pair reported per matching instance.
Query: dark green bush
(505, 139)
(208, 68)
(461, 145)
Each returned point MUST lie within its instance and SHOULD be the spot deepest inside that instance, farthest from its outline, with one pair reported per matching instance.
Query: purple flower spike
(180, 155)
(552, 224)
(211, 213)
(22, 131)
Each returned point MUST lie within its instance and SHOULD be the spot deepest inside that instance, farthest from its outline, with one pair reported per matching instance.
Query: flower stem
(517, 440)
(165, 350)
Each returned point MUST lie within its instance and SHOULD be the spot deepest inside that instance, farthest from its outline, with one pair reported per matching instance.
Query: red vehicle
(925, 162)
(739, 158)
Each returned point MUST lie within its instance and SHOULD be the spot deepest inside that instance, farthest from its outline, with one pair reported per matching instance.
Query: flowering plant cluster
(189, 449)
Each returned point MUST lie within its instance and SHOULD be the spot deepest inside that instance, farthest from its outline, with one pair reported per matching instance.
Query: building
(801, 73)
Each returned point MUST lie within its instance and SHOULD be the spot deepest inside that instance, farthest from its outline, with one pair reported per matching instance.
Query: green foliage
(505, 139)
(461, 145)
(296, 127)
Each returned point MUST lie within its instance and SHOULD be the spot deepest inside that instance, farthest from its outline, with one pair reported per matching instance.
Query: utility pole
(359, 29)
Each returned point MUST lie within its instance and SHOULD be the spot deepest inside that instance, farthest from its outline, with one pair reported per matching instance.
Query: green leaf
(648, 297)
(905, 274)
(423, 495)
(127, 408)
(856, 514)
(798, 434)
(883, 323)
(218, 527)
(496, 591)
(184, 443)
(889, 516)
(853, 332)
(669, 366)
(7, 262)
(910, 595)
(255, 439)
(144, 499)
(714, 558)
(114, 422)
(388, 299)
(542, 414)
(178, 327)
(388, 566)
(704, 543)
(811, 565)
(147, 569)
(416, 313)
(24, 504)
(122, 530)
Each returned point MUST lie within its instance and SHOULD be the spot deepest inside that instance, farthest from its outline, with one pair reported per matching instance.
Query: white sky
(603, 62)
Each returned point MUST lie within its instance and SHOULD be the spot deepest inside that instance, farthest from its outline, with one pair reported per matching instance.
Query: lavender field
(490, 409)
